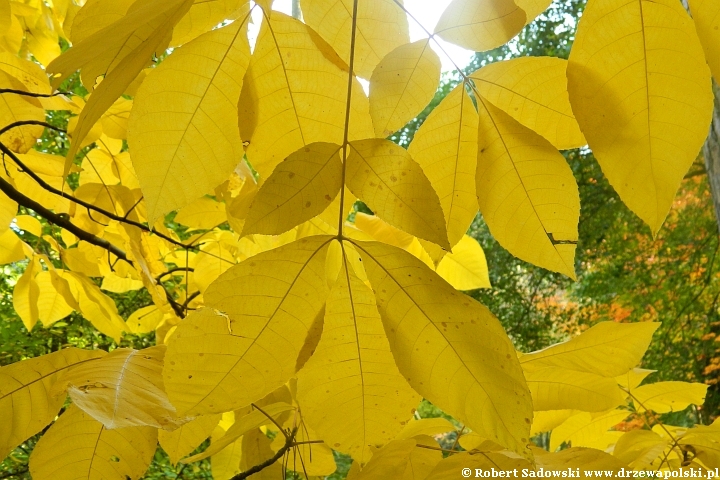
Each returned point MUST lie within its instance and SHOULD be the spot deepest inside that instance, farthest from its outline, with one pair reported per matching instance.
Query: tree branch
(269, 461)
(60, 220)
(87, 205)
(22, 123)
(30, 94)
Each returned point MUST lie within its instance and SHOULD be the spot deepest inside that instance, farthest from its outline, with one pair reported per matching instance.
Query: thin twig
(269, 461)
(273, 421)
(31, 94)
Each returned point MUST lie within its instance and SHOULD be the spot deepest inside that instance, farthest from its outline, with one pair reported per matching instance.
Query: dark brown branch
(173, 270)
(22, 123)
(189, 299)
(31, 94)
(269, 461)
(59, 220)
(87, 205)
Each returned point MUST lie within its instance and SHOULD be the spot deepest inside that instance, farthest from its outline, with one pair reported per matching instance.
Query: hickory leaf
(638, 85)
(433, 329)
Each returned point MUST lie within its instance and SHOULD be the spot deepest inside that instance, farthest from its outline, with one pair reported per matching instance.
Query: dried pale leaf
(706, 15)
(186, 438)
(402, 85)
(26, 406)
(123, 389)
(435, 329)
(78, 446)
(664, 397)
(526, 192)
(640, 89)
(480, 25)
(352, 378)
(300, 188)
(223, 359)
(445, 146)
(204, 213)
(183, 132)
(385, 177)
(381, 27)
(284, 104)
(465, 268)
(533, 90)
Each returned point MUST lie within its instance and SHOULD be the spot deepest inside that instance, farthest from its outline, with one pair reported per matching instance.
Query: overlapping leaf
(183, 133)
(246, 345)
(433, 329)
(351, 378)
(640, 88)
(706, 15)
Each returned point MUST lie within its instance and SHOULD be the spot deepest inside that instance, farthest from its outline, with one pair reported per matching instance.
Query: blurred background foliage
(624, 274)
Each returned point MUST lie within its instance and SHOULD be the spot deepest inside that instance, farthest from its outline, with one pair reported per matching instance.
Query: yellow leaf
(11, 247)
(29, 224)
(96, 15)
(314, 458)
(385, 177)
(425, 426)
(123, 389)
(182, 133)
(533, 90)
(422, 460)
(588, 430)
(706, 15)
(533, 8)
(388, 462)
(640, 89)
(117, 284)
(186, 438)
(78, 446)
(225, 359)
(449, 468)
(639, 448)
(434, 329)
(242, 425)
(300, 188)
(544, 421)
(664, 397)
(51, 304)
(226, 463)
(295, 94)
(115, 121)
(8, 210)
(26, 293)
(402, 85)
(26, 406)
(255, 450)
(587, 460)
(445, 146)
(632, 379)
(352, 377)
(480, 25)
(526, 192)
(465, 268)
(95, 306)
(145, 320)
(119, 51)
(203, 213)
(381, 27)
(204, 15)
(705, 440)
(15, 108)
(580, 373)
(30, 74)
